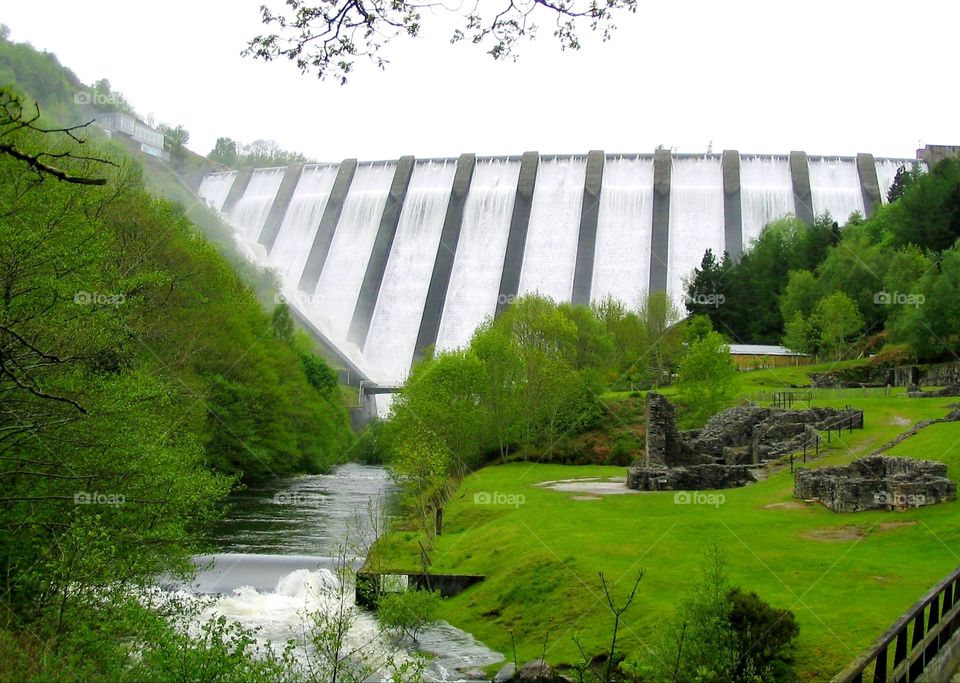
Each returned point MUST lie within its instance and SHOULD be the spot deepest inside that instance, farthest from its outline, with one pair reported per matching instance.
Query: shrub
(407, 613)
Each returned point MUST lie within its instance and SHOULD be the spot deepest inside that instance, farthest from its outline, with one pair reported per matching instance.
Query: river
(280, 550)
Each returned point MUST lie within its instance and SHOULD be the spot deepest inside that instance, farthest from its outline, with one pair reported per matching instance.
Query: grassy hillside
(846, 577)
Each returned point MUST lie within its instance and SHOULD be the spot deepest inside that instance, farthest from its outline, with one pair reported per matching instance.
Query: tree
(763, 636)
(800, 295)
(407, 613)
(175, 139)
(225, 151)
(903, 180)
(837, 319)
(327, 38)
(422, 467)
(260, 153)
(660, 316)
(799, 335)
(928, 213)
(706, 381)
(32, 135)
(282, 323)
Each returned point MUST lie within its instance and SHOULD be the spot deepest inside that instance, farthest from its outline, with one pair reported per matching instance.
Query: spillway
(478, 264)
(887, 172)
(396, 319)
(301, 220)
(622, 257)
(398, 256)
(766, 193)
(249, 213)
(696, 218)
(215, 187)
(550, 254)
(835, 187)
(333, 302)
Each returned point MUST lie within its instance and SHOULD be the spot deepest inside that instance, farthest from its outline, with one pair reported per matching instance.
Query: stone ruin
(876, 482)
(725, 452)
(914, 391)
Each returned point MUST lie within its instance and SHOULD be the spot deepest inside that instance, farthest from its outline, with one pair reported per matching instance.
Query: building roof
(761, 350)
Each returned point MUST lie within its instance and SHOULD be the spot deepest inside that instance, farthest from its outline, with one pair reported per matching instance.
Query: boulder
(537, 671)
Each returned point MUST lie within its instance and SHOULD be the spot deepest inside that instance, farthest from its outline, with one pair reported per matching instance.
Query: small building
(760, 356)
(149, 139)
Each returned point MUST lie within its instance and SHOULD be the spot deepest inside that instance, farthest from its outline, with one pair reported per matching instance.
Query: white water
(550, 255)
(766, 193)
(477, 266)
(887, 171)
(396, 320)
(335, 298)
(282, 615)
(215, 187)
(696, 219)
(300, 222)
(249, 213)
(835, 187)
(621, 266)
(271, 584)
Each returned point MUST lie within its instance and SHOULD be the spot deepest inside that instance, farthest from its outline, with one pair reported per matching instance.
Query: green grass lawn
(846, 577)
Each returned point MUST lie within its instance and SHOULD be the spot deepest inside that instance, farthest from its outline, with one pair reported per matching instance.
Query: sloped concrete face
(634, 207)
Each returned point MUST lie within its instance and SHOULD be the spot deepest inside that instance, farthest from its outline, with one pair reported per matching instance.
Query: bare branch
(328, 38)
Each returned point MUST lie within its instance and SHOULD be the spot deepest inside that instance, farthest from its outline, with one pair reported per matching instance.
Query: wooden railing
(916, 640)
(849, 422)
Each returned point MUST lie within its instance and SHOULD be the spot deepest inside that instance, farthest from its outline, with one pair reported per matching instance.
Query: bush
(763, 636)
(406, 614)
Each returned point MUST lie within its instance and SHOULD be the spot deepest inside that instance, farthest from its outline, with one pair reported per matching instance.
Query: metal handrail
(839, 425)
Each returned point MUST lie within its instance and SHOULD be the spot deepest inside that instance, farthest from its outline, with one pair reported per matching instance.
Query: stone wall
(662, 437)
(693, 478)
(721, 454)
(876, 482)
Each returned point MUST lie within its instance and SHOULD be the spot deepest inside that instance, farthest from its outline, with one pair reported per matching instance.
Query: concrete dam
(386, 258)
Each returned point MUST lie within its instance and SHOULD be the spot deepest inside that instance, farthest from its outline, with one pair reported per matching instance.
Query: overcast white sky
(827, 77)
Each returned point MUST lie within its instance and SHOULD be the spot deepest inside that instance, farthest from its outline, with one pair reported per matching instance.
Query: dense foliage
(893, 278)
(528, 382)
(722, 633)
(139, 380)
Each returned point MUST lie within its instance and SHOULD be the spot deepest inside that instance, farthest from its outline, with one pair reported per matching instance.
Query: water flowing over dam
(386, 259)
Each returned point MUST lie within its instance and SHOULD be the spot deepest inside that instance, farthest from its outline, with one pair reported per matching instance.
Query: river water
(280, 549)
